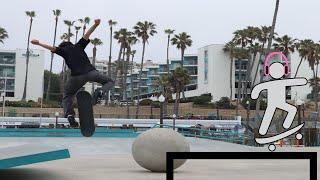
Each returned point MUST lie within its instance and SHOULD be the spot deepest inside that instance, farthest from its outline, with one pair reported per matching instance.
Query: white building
(13, 72)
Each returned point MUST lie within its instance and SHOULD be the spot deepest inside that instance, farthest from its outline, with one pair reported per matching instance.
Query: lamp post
(161, 100)
(56, 114)
(248, 115)
(299, 102)
(174, 116)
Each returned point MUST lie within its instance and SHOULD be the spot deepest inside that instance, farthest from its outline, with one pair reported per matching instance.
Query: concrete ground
(110, 158)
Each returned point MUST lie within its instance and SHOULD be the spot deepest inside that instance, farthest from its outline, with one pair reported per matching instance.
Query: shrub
(224, 103)
(252, 103)
(202, 100)
(145, 102)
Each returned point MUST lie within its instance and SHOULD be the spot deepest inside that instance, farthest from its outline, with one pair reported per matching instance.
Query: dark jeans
(76, 82)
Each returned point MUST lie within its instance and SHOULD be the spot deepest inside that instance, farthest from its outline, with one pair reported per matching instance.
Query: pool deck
(110, 158)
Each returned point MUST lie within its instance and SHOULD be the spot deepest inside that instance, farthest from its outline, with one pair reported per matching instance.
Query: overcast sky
(207, 21)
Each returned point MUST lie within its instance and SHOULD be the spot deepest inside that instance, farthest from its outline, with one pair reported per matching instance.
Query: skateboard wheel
(272, 147)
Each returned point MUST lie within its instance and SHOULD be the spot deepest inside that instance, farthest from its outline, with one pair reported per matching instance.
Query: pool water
(51, 132)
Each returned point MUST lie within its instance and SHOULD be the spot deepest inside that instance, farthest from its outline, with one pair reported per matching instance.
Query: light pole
(57, 116)
(299, 102)
(174, 116)
(248, 115)
(161, 100)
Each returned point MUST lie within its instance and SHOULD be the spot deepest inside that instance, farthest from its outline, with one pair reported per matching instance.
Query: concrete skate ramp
(18, 155)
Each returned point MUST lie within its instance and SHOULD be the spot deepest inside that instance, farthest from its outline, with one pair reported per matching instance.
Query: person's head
(65, 44)
(276, 70)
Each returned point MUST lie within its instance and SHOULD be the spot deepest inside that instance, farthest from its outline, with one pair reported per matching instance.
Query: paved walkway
(110, 158)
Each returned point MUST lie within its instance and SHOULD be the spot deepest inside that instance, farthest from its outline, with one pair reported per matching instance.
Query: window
(206, 66)
(7, 58)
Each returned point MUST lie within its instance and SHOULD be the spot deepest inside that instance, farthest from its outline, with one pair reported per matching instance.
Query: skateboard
(280, 136)
(86, 118)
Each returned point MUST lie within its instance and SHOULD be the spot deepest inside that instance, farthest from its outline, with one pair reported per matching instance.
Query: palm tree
(182, 41)
(263, 38)
(130, 41)
(313, 57)
(69, 24)
(179, 79)
(77, 28)
(285, 44)
(122, 36)
(56, 13)
(95, 42)
(133, 52)
(66, 36)
(85, 22)
(3, 34)
(168, 32)
(143, 30)
(111, 24)
(302, 48)
(241, 38)
(271, 35)
(163, 85)
(30, 14)
(230, 48)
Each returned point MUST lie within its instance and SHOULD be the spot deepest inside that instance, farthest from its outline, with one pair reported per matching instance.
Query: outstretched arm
(256, 90)
(36, 42)
(295, 82)
(92, 28)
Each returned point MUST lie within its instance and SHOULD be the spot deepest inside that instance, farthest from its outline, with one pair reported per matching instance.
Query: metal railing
(214, 134)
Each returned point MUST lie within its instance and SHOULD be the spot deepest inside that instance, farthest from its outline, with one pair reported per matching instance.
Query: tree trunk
(51, 62)
(109, 63)
(165, 105)
(176, 103)
(139, 83)
(27, 64)
(168, 68)
(84, 29)
(131, 79)
(231, 75)
(125, 81)
(182, 62)
(249, 72)
(239, 87)
(298, 67)
(258, 65)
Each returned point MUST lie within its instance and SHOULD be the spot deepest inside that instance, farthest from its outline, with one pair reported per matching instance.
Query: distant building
(210, 74)
(13, 71)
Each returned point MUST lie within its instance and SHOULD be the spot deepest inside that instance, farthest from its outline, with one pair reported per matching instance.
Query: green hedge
(252, 103)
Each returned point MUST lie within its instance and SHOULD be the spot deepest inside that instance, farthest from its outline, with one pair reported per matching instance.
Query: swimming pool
(64, 132)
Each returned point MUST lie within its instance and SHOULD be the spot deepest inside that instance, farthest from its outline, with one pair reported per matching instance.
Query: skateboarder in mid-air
(82, 71)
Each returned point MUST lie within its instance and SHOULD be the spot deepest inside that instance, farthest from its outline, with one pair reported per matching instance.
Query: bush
(252, 103)
(224, 103)
(202, 100)
(145, 102)
(30, 103)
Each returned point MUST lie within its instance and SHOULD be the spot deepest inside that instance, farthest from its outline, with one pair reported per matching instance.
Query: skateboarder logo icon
(276, 91)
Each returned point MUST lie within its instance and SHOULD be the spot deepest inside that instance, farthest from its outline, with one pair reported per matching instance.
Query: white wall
(35, 75)
(218, 83)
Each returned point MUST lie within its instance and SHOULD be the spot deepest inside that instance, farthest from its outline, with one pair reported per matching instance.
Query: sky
(207, 21)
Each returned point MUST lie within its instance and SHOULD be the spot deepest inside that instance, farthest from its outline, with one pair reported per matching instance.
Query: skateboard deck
(86, 118)
(279, 136)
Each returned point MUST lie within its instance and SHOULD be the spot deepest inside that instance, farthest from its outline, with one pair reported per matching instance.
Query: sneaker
(73, 123)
